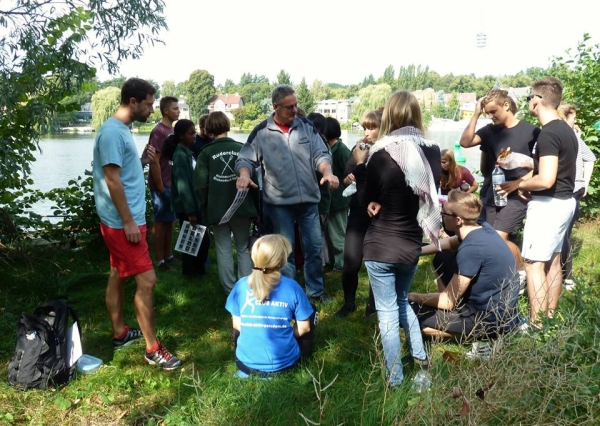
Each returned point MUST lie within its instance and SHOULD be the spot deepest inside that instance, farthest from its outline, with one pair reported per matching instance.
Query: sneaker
(569, 285)
(323, 298)
(370, 311)
(163, 266)
(163, 358)
(346, 310)
(482, 350)
(172, 260)
(131, 335)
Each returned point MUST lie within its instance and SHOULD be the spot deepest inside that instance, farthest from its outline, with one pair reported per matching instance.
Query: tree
(104, 104)
(255, 93)
(368, 81)
(180, 89)
(49, 51)
(372, 97)
(168, 88)
(388, 77)
(113, 82)
(230, 87)
(305, 97)
(579, 71)
(283, 78)
(200, 88)
(320, 91)
(154, 84)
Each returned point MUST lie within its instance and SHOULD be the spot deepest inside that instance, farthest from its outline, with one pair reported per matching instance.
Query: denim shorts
(161, 204)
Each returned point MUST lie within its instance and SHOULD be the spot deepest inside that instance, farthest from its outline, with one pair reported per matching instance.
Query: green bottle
(458, 155)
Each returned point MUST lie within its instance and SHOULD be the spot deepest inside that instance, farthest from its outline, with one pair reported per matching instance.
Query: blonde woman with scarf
(403, 172)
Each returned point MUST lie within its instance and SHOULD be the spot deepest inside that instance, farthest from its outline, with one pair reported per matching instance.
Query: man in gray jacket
(290, 150)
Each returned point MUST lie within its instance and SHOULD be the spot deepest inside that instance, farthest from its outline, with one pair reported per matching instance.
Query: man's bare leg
(503, 234)
(158, 234)
(114, 302)
(516, 254)
(167, 240)
(144, 305)
(536, 289)
(555, 280)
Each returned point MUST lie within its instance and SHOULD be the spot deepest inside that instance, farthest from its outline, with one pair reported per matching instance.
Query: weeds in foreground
(549, 377)
(319, 393)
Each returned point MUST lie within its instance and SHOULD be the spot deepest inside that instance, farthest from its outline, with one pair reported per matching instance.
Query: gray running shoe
(163, 358)
(131, 335)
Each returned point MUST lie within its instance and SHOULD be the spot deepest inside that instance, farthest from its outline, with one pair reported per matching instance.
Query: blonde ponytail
(269, 254)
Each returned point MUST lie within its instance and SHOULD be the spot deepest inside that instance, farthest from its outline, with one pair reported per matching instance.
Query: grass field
(551, 377)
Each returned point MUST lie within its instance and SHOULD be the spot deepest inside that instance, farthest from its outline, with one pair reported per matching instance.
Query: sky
(345, 41)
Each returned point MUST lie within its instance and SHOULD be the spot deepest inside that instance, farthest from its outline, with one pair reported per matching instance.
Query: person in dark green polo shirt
(215, 187)
(338, 210)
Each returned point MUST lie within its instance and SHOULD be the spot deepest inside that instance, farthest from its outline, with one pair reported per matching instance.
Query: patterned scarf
(404, 146)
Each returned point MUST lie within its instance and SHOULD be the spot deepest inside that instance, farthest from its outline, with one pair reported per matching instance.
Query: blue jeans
(306, 215)
(390, 283)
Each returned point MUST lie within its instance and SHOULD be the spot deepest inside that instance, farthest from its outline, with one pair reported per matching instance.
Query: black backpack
(40, 359)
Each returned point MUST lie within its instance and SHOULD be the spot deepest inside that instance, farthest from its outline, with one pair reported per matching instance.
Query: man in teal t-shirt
(119, 193)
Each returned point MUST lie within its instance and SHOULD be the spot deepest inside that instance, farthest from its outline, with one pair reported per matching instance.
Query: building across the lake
(226, 103)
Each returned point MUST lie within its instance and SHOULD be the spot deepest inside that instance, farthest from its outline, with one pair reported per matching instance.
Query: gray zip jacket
(289, 162)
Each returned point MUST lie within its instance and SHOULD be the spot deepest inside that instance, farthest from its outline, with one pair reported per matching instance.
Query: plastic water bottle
(422, 381)
(460, 159)
(497, 179)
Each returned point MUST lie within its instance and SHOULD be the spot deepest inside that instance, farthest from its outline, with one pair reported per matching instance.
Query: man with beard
(119, 193)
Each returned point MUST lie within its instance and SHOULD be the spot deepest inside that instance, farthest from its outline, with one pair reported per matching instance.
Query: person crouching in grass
(273, 320)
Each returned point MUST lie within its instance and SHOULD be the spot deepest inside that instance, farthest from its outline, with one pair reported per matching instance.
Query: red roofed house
(225, 103)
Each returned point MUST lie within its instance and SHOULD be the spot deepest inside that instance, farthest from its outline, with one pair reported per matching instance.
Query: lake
(64, 157)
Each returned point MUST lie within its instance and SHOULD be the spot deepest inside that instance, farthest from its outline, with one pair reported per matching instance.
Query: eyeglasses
(290, 107)
(443, 213)
(530, 97)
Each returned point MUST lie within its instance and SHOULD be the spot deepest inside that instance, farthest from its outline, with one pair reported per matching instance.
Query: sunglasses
(443, 213)
(530, 97)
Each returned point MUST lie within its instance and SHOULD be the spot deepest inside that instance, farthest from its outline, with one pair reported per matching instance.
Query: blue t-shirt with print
(485, 257)
(114, 145)
(267, 341)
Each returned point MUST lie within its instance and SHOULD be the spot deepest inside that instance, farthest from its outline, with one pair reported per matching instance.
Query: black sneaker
(131, 335)
(346, 310)
(163, 358)
(370, 311)
(172, 260)
(163, 266)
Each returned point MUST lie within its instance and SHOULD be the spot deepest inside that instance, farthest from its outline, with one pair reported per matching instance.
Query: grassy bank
(548, 378)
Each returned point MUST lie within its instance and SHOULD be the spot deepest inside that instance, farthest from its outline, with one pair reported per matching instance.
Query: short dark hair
(318, 120)
(280, 92)
(217, 123)
(332, 129)
(136, 88)
(166, 101)
(551, 90)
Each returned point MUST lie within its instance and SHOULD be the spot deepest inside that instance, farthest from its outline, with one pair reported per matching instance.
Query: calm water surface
(64, 157)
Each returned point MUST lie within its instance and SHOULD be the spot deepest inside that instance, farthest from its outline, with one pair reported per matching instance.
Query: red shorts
(128, 258)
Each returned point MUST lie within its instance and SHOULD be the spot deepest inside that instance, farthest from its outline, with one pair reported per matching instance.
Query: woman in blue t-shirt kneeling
(273, 320)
